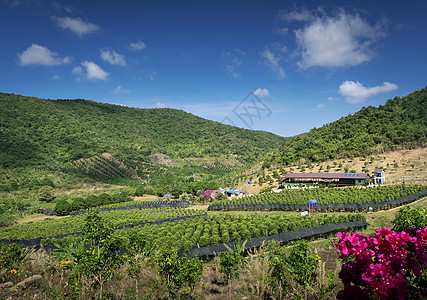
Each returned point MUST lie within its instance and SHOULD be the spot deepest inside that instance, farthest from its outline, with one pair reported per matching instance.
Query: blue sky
(307, 62)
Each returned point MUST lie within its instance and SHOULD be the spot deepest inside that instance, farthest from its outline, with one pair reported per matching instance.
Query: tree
(178, 272)
(78, 204)
(95, 267)
(46, 194)
(62, 208)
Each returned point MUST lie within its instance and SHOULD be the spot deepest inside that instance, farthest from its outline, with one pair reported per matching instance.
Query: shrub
(303, 265)
(6, 219)
(11, 256)
(231, 260)
(408, 217)
(178, 272)
(388, 265)
(92, 201)
(46, 193)
(62, 208)
(78, 204)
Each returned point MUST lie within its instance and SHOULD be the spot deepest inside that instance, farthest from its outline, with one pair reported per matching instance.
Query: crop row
(54, 227)
(130, 205)
(213, 230)
(325, 197)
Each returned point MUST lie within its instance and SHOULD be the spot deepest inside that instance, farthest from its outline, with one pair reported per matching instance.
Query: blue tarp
(249, 182)
(166, 196)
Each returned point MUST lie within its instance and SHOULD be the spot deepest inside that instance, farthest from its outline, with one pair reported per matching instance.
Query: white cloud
(262, 93)
(55, 77)
(356, 93)
(91, 71)
(152, 76)
(160, 105)
(121, 90)
(342, 40)
(282, 31)
(59, 7)
(77, 71)
(77, 25)
(233, 60)
(113, 57)
(303, 15)
(272, 60)
(137, 46)
(321, 105)
(40, 55)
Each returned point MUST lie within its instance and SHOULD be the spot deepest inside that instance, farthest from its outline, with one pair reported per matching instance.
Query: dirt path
(37, 218)
(200, 207)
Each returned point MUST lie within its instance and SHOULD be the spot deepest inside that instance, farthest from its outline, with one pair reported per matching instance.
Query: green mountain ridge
(400, 123)
(53, 133)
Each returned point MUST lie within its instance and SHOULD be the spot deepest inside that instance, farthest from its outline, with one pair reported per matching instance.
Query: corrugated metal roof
(378, 170)
(358, 176)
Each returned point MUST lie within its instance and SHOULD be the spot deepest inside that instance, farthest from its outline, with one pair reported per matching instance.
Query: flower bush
(388, 265)
(209, 194)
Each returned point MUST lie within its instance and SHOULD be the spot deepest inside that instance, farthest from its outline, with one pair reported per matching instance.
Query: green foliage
(178, 272)
(231, 260)
(267, 189)
(6, 219)
(62, 207)
(299, 265)
(348, 195)
(101, 232)
(46, 194)
(410, 217)
(93, 260)
(55, 133)
(302, 264)
(47, 182)
(400, 122)
(12, 256)
(78, 204)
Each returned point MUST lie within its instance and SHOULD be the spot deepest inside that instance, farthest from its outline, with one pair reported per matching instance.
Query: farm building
(232, 192)
(379, 176)
(298, 180)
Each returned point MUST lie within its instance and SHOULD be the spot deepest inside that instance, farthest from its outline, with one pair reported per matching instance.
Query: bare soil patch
(199, 207)
(163, 159)
(409, 166)
(146, 198)
(37, 218)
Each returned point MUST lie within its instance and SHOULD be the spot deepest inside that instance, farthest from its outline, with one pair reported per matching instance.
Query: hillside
(55, 133)
(400, 123)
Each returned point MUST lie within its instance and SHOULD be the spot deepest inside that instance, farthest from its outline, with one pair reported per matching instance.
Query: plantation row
(213, 230)
(313, 232)
(130, 205)
(55, 227)
(100, 166)
(63, 207)
(350, 198)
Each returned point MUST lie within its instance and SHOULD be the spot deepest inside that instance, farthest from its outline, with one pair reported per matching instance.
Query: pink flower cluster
(388, 265)
(207, 195)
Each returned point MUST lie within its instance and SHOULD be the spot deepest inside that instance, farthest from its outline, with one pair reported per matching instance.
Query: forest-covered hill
(400, 123)
(52, 133)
